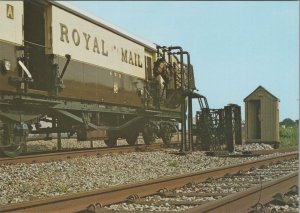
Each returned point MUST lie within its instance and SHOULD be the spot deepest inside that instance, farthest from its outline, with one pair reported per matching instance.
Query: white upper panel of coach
(96, 20)
(94, 42)
(11, 13)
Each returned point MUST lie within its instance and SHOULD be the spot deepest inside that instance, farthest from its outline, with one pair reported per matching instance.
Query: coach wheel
(13, 139)
(111, 141)
(16, 149)
(132, 139)
(167, 137)
(148, 135)
(166, 132)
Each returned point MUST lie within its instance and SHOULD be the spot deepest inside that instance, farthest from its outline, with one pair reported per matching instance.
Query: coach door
(34, 42)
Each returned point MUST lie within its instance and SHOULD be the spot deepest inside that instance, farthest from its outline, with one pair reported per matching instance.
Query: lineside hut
(262, 117)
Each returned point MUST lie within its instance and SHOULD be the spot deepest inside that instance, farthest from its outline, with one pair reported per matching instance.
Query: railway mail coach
(81, 75)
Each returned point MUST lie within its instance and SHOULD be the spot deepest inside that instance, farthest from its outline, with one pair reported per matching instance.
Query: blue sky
(234, 46)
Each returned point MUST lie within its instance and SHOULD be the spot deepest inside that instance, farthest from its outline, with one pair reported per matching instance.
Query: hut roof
(260, 88)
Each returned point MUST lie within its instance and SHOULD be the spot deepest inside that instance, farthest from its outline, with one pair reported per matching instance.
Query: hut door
(255, 115)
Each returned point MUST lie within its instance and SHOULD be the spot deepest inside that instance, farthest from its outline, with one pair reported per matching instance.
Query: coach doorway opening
(34, 43)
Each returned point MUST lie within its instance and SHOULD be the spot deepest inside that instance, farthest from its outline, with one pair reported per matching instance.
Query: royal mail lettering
(63, 33)
(104, 52)
(64, 37)
(124, 55)
(96, 46)
(93, 44)
(127, 58)
(87, 39)
(76, 38)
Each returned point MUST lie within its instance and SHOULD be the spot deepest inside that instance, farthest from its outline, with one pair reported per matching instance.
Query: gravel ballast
(181, 200)
(24, 182)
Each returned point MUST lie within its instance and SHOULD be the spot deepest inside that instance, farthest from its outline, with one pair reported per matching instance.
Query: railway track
(231, 193)
(250, 200)
(35, 157)
(89, 201)
(68, 153)
(73, 153)
(61, 155)
(281, 202)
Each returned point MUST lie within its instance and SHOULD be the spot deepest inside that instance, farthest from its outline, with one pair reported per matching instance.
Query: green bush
(289, 137)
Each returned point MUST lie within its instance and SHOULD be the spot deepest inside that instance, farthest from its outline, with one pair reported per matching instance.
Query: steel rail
(80, 201)
(243, 201)
(271, 151)
(62, 155)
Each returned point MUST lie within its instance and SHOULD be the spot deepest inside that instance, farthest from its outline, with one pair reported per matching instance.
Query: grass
(173, 163)
(25, 187)
(289, 137)
(62, 188)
